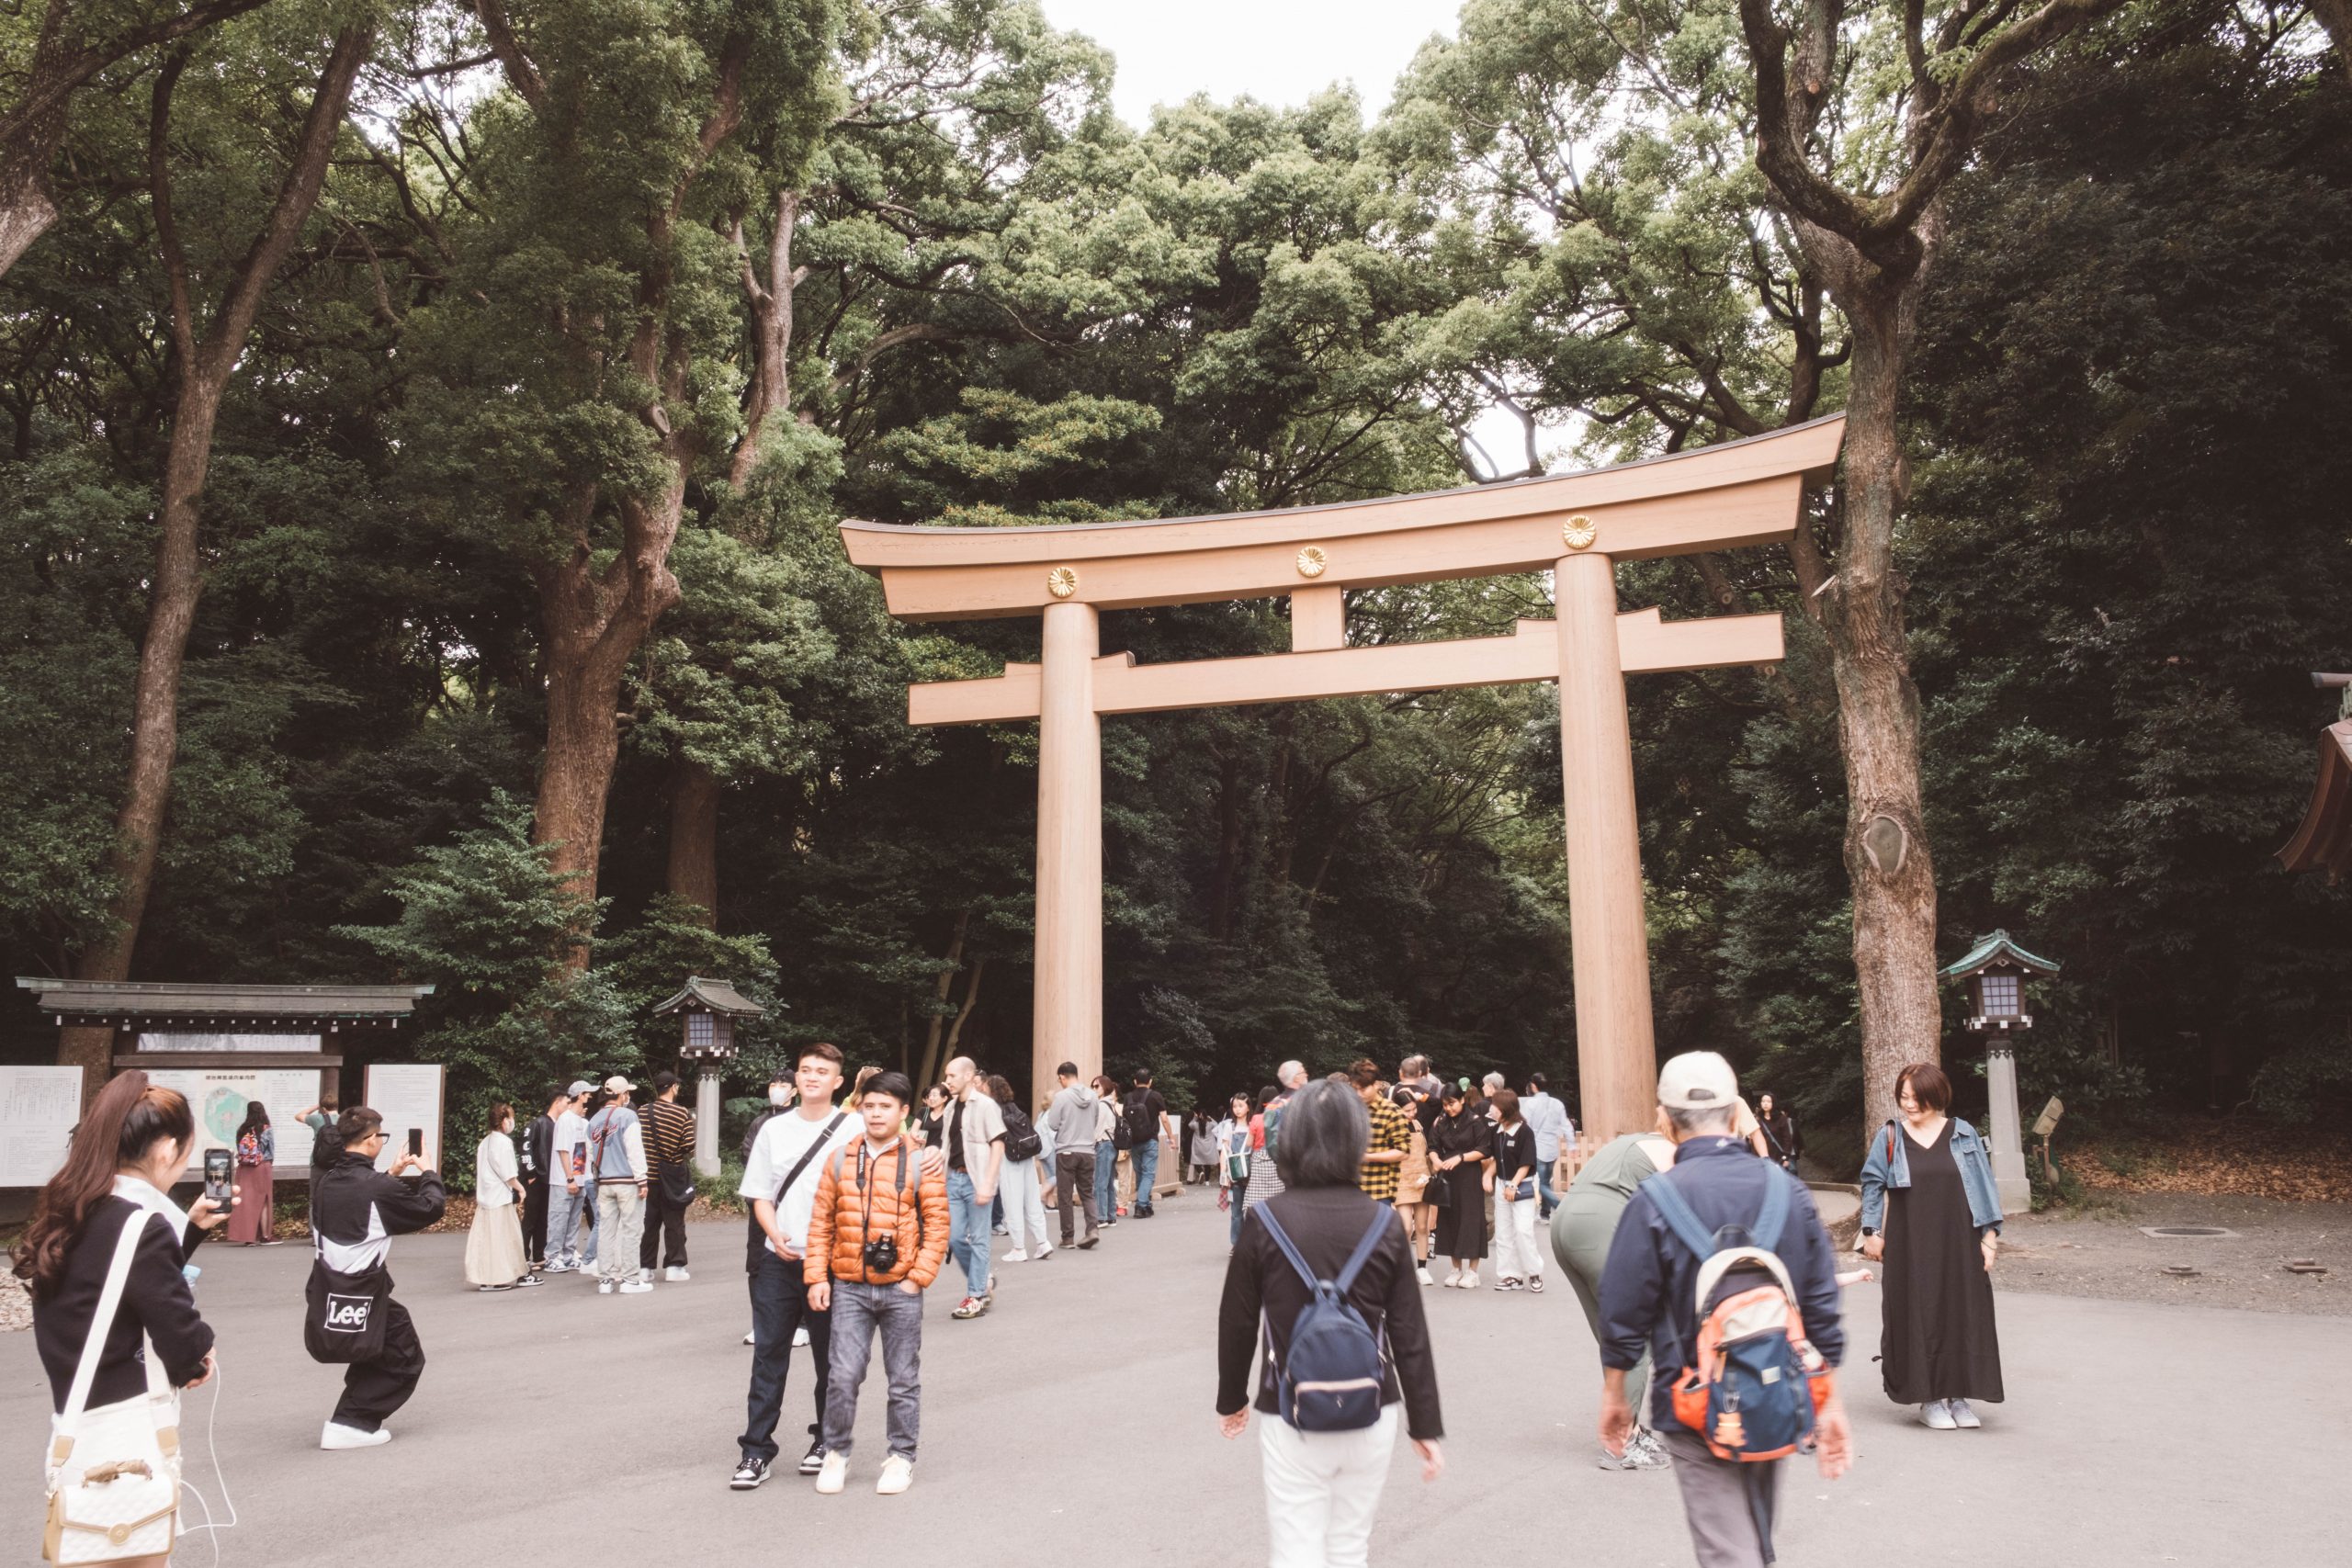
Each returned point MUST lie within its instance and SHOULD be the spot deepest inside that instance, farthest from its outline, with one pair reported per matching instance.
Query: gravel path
(2103, 1253)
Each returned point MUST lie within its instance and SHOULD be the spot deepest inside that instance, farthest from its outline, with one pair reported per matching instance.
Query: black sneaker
(814, 1460)
(749, 1473)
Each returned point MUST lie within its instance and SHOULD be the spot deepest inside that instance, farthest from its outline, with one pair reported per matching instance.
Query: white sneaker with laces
(677, 1276)
(604, 1287)
(833, 1475)
(1961, 1416)
(1938, 1415)
(636, 1287)
(897, 1474)
(799, 1336)
(1453, 1279)
(1421, 1272)
(1017, 1255)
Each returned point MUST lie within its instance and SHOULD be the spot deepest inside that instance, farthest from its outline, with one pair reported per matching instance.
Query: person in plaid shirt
(1391, 1135)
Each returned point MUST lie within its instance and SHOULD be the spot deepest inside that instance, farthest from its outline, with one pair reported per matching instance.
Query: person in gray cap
(569, 1196)
(1649, 1300)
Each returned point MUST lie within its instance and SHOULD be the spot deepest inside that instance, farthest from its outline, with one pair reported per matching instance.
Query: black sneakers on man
(814, 1460)
(749, 1473)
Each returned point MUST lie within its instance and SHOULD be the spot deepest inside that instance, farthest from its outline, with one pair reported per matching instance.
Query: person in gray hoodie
(1070, 1126)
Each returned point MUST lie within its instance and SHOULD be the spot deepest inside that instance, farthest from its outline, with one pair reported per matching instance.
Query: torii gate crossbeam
(1742, 492)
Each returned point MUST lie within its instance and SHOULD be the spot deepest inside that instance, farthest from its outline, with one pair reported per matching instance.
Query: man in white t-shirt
(974, 1152)
(571, 1194)
(780, 1183)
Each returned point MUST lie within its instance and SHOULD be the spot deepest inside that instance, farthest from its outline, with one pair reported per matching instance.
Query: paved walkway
(1072, 1426)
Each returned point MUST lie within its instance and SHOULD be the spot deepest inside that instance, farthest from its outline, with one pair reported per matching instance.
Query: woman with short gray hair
(1322, 1487)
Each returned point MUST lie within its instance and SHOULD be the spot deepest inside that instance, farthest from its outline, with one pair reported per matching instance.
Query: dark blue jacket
(1647, 1288)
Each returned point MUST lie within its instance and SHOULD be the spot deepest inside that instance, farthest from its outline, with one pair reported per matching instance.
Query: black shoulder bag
(758, 1239)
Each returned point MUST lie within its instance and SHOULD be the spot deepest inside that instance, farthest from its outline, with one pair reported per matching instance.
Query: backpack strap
(1675, 1209)
(1290, 1249)
(1775, 1217)
(1362, 1253)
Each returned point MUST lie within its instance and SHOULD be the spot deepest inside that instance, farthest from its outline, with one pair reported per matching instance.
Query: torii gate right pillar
(1608, 930)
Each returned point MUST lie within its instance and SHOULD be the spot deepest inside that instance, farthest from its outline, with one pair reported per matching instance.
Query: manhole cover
(2206, 1233)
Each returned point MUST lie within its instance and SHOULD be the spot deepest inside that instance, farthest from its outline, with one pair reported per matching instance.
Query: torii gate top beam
(1741, 492)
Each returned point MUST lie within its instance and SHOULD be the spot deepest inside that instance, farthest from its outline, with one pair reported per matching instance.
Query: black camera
(881, 1254)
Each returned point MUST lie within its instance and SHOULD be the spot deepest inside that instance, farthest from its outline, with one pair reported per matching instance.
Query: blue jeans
(1545, 1199)
(1235, 1210)
(858, 1310)
(968, 1232)
(1106, 1180)
(1145, 1159)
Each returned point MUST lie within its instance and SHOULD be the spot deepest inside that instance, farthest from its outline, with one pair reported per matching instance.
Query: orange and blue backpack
(1758, 1380)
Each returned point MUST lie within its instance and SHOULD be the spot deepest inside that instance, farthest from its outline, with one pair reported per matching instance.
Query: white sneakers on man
(897, 1474)
(833, 1475)
(335, 1435)
(635, 1287)
(675, 1276)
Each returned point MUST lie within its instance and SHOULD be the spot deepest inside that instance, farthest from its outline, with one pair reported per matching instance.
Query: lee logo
(349, 1315)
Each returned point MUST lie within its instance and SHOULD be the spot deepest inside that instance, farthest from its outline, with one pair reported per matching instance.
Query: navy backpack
(1330, 1381)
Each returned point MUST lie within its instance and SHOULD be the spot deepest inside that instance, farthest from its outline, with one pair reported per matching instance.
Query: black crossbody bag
(758, 1239)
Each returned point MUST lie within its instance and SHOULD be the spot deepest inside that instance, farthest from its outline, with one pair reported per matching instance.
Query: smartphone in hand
(219, 1167)
(416, 1142)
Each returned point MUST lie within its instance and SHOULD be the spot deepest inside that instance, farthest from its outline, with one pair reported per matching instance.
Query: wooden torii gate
(1577, 526)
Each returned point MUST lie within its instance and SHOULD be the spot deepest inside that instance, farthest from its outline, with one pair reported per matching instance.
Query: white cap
(1698, 1081)
(620, 1085)
(579, 1086)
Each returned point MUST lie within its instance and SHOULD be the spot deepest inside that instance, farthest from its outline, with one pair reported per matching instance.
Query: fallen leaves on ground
(2217, 1154)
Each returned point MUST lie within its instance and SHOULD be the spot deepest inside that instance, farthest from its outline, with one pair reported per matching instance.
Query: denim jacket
(1880, 1172)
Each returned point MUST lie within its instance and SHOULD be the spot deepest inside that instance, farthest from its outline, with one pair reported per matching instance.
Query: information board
(406, 1095)
(39, 1107)
(218, 1096)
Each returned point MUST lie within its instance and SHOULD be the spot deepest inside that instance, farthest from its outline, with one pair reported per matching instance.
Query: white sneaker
(752, 1338)
(1470, 1281)
(897, 1474)
(677, 1276)
(800, 1338)
(1935, 1413)
(1962, 1416)
(335, 1435)
(1421, 1272)
(635, 1287)
(1453, 1279)
(833, 1475)
(604, 1287)
(645, 1276)
(1016, 1256)
(1044, 1252)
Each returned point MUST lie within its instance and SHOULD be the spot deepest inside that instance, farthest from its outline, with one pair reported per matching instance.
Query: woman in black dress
(1782, 1145)
(1931, 1212)
(1461, 1146)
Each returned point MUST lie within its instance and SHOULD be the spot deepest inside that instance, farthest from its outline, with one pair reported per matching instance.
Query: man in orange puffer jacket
(875, 1240)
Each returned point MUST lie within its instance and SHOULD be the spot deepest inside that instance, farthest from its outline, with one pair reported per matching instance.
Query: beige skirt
(494, 1247)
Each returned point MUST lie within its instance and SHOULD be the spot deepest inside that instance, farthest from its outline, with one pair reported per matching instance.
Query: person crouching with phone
(875, 1240)
(352, 1319)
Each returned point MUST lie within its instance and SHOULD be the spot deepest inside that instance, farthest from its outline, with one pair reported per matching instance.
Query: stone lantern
(708, 1011)
(1996, 970)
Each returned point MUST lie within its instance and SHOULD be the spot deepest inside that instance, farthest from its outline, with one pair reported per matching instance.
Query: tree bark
(204, 364)
(945, 985)
(2335, 15)
(1878, 714)
(770, 393)
(694, 837)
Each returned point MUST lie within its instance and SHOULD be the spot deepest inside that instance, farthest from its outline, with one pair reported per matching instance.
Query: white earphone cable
(211, 1527)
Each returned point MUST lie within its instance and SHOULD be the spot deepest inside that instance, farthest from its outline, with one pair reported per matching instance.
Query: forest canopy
(426, 427)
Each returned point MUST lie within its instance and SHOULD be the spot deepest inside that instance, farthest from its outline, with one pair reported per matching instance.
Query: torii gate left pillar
(1578, 526)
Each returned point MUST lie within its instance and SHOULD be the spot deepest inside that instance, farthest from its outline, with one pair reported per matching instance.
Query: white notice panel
(218, 1096)
(406, 1095)
(39, 1107)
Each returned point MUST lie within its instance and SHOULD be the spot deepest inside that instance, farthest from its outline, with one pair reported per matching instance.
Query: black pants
(534, 1220)
(779, 1305)
(662, 1213)
(373, 1390)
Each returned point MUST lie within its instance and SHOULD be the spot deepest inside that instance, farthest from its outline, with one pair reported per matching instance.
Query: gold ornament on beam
(1578, 533)
(1061, 583)
(1312, 561)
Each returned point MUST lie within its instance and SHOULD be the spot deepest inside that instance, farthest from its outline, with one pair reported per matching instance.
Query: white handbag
(114, 1474)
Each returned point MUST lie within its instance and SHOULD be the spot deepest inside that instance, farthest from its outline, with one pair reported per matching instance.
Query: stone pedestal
(706, 1123)
(2007, 1139)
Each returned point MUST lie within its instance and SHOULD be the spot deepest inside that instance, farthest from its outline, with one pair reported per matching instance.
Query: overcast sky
(1280, 52)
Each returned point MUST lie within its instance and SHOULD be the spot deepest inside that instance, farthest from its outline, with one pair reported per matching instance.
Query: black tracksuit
(538, 1159)
(355, 1210)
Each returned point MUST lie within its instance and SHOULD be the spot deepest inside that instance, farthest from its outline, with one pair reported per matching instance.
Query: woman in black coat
(124, 1158)
(1323, 1487)
(1461, 1147)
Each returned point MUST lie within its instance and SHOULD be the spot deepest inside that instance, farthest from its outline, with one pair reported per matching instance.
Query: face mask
(779, 1097)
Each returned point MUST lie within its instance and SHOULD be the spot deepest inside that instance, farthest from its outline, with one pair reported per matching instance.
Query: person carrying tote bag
(116, 1325)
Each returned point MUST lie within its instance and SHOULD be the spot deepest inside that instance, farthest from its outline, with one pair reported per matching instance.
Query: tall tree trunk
(694, 837)
(770, 393)
(1878, 714)
(26, 208)
(2335, 15)
(204, 364)
(943, 988)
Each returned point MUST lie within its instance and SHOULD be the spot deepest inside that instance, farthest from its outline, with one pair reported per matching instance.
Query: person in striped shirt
(670, 1149)
(1392, 1136)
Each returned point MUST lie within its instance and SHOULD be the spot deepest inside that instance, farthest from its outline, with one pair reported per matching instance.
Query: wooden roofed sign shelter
(1577, 526)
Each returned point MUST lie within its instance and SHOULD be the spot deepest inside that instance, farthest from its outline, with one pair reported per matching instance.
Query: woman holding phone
(122, 1162)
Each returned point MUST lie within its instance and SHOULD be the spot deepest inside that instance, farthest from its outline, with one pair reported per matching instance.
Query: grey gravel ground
(2104, 1253)
(1073, 1426)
